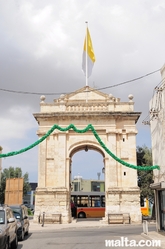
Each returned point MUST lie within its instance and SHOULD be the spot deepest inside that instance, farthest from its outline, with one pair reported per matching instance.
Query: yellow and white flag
(88, 58)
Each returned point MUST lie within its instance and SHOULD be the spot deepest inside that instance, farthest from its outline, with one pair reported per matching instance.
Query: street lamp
(86, 148)
(103, 171)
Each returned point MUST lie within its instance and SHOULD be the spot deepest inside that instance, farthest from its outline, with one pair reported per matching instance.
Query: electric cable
(102, 88)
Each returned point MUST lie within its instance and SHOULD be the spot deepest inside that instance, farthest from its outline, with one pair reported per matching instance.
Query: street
(82, 238)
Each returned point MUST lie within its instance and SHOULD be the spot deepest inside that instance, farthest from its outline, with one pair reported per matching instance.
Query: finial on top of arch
(62, 96)
(42, 98)
(130, 96)
(111, 97)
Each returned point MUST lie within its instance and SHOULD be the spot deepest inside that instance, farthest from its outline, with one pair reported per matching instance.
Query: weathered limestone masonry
(115, 123)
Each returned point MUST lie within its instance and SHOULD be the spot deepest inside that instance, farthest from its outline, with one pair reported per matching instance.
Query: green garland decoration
(89, 127)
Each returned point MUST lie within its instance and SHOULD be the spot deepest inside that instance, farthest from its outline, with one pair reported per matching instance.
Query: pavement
(153, 235)
(74, 224)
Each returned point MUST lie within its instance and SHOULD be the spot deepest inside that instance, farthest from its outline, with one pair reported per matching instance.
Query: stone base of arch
(54, 203)
(123, 200)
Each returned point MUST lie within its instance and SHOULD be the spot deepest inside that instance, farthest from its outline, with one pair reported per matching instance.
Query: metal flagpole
(86, 61)
(86, 53)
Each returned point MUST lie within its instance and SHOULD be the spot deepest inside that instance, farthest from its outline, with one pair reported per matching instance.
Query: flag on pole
(88, 58)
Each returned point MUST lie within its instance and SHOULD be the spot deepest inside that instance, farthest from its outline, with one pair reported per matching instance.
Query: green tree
(145, 178)
(13, 173)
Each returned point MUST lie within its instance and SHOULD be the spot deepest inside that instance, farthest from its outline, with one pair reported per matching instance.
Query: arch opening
(87, 181)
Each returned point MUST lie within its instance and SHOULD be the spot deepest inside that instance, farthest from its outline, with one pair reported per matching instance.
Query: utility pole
(0, 164)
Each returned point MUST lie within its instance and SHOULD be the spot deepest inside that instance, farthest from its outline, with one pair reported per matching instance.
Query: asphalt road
(83, 238)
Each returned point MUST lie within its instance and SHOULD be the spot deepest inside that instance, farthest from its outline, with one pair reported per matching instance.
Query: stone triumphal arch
(115, 123)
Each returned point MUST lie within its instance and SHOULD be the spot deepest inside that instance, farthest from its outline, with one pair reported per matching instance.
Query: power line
(102, 88)
(128, 81)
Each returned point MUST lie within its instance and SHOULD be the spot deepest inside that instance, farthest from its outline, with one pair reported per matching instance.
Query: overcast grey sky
(41, 45)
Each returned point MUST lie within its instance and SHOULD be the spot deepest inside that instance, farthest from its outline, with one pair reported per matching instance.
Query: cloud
(16, 123)
(41, 52)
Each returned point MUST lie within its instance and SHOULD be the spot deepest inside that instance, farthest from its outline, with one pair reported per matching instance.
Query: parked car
(21, 214)
(8, 228)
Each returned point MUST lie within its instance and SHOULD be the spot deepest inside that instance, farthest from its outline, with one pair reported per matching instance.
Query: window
(95, 186)
(77, 186)
(141, 201)
(2, 217)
